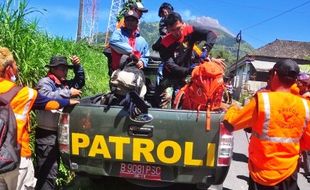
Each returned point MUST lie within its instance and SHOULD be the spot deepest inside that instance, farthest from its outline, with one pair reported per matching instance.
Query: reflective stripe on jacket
(275, 143)
(21, 105)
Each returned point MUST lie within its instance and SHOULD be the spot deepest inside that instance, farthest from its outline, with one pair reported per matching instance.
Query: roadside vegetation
(33, 48)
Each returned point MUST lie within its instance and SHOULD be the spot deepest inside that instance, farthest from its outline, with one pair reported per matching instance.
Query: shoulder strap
(6, 97)
(139, 102)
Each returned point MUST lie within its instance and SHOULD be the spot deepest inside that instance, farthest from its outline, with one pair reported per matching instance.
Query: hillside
(225, 47)
(33, 48)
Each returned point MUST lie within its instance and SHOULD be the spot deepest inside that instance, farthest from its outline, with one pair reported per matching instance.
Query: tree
(220, 51)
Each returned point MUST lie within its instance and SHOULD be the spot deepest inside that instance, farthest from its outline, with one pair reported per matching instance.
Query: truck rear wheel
(220, 175)
(145, 183)
(202, 186)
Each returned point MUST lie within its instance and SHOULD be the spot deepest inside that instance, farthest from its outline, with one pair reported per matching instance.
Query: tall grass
(32, 50)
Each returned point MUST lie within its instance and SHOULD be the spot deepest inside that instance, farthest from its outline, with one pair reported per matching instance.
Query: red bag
(204, 91)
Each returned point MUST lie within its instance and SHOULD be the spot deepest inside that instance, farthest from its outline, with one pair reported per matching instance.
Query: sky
(260, 22)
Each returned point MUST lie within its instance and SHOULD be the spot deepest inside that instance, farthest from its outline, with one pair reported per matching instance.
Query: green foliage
(245, 97)
(65, 176)
(149, 31)
(32, 50)
(126, 7)
(100, 38)
(220, 51)
(305, 67)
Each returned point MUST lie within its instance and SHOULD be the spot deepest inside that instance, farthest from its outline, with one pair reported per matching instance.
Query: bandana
(55, 79)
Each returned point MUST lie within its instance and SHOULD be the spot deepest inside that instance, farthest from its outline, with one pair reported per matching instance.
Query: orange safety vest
(274, 148)
(21, 105)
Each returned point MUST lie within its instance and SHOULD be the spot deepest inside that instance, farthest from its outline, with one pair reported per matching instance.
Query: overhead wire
(276, 16)
(261, 22)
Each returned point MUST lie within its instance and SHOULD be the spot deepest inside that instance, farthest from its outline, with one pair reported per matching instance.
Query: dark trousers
(289, 183)
(229, 98)
(47, 159)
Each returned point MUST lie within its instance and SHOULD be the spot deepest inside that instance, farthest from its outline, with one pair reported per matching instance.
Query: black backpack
(9, 148)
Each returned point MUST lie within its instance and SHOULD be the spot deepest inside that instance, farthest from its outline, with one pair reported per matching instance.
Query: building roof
(284, 49)
(262, 66)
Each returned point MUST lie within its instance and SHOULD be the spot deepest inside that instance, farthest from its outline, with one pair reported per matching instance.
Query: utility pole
(80, 21)
(236, 78)
(88, 17)
(238, 40)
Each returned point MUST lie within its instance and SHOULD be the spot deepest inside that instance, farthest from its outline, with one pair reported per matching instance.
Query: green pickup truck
(174, 147)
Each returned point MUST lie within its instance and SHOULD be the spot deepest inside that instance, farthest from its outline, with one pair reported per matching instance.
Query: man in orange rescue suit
(280, 130)
(22, 178)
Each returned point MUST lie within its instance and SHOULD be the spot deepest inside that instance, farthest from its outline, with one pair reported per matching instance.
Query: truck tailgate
(174, 137)
(173, 147)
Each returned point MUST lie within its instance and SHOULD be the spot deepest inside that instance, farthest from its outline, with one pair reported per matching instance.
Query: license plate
(140, 171)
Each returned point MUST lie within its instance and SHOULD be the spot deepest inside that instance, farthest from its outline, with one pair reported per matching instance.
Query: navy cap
(139, 6)
(287, 67)
(58, 60)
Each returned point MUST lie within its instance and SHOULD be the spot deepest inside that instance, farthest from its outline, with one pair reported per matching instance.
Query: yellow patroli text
(167, 152)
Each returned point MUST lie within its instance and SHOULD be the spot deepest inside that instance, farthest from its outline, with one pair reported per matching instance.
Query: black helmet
(165, 5)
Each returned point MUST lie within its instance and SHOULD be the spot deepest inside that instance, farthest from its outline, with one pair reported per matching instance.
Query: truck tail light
(225, 149)
(63, 133)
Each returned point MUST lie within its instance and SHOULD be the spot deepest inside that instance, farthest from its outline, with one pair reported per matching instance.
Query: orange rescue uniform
(280, 129)
(21, 105)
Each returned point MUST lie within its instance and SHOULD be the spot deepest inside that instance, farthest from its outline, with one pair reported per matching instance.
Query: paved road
(238, 172)
(236, 180)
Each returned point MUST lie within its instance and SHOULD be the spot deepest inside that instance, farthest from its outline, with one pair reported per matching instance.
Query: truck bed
(173, 147)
